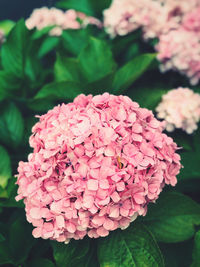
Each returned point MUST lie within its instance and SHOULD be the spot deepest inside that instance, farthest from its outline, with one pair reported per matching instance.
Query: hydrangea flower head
(180, 108)
(96, 164)
(155, 17)
(70, 19)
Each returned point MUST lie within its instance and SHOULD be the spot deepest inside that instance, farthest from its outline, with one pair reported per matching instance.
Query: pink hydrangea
(191, 21)
(96, 164)
(154, 16)
(70, 19)
(180, 50)
(180, 108)
(125, 16)
(176, 24)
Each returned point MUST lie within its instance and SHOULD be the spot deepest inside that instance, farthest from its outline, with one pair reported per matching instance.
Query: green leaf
(134, 246)
(8, 200)
(74, 41)
(100, 86)
(196, 251)
(148, 97)
(96, 60)
(67, 69)
(2, 238)
(8, 84)
(90, 7)
(183, 140)
(60, 91)
(121, 43)
(14, 50)
(20, 239)
(11, 125)
(71, 255)
(5, 255)
(130, 72)
(173, 253)
(41, 262)
(6, 26)
(173, 217)
(82, 5)
(190, 160)
(40, 33)
(40, 105)
(48, 45)
(5, 167)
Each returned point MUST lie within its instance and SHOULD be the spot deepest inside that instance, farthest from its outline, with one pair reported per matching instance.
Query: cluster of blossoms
(175, 23)
(180, 108)
(154, 16)
(96, 164)
(70, 19)
(180, 48)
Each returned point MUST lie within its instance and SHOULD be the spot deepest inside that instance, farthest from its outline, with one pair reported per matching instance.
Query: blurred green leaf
(71, 255)
(90, 7)
(190, 159)
(10, 192)
(148, 97)
(173, 217)
(20, 239)
(196, 251)
(40, 33)
(82, 5)
(183, 140)
(6, 26)
(5, 257)
(13, 51)
(96, 60)
(2, 238)
(100, 86)
(5, 167)
(123, 44)
(128, 73)
(67, 69)
(40, 105)
(177, 255)
(134, 246)
(74, 40)
(60, 90)
(48, 45)
(11, 125)
(41, 262)
(8, 84)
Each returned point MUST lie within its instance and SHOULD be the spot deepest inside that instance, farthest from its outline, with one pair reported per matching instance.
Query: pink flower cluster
(70, 19)
(180, 108)
(96, 164)
(180, 48)
(175, 23)
(154, 16)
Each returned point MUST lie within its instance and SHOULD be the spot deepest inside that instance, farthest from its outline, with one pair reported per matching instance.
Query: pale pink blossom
(176, 24)
(96, 164)
(180, 108)
(155, 17)
(180, 50)
(62, 20)
(191, 20)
